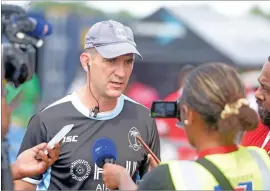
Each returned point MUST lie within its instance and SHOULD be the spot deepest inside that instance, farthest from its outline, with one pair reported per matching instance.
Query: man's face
(263, 94)
(110, 76)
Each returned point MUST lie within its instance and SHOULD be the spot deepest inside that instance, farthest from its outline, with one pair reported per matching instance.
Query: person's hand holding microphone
(115, 176)
(104, 154)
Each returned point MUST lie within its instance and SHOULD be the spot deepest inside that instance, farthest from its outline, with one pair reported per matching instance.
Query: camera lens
(9, 70)
(16, 76)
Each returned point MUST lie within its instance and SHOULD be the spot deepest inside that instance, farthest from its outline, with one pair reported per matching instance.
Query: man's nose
(259, 94)
(120, 71)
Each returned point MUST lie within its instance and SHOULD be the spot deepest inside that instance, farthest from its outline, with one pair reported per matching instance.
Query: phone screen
(162, 109)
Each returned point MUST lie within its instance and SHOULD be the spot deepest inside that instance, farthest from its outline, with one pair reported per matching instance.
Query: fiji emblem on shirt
(133, 143)
(80, 170)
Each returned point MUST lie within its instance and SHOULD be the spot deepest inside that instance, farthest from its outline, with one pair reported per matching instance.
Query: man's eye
(130, 61)
(110, 60)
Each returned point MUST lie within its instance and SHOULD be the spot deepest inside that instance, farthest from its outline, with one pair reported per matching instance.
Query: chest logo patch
(133, 143)
(80, 170)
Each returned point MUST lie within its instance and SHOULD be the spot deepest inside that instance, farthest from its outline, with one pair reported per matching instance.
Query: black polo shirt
(75, 168)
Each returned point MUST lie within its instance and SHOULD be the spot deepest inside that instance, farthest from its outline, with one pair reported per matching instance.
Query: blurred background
(169, 35)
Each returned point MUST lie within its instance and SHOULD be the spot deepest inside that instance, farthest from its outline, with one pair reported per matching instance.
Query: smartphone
(148, 149)
(59, 136)
(165, 109)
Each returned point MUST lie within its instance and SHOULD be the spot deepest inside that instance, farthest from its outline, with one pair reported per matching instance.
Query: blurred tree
(124, 15)
(259, 12)
(80, 8)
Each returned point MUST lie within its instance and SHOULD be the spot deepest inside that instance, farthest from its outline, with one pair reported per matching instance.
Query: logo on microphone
(133, 143)
(80, 170)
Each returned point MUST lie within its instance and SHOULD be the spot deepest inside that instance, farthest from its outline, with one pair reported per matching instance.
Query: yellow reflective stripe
(239, 167)
(264, 170)
(176, 176)
(263, 154)
(238, 173)
(185, 175)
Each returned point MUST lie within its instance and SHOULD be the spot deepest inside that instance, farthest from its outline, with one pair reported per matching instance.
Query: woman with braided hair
(214, 112)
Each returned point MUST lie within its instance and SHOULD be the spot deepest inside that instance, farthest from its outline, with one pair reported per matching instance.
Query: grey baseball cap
(111, 39)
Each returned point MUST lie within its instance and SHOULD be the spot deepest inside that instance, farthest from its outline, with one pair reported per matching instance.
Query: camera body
(165, 109)
(18, 48)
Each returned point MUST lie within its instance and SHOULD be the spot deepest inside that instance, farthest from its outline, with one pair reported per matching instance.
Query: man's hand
(115, 176)
(33, 161)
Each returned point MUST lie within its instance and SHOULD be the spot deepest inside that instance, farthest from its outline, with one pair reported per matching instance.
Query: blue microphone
(40, 27)
(33, 25)
(104, 151)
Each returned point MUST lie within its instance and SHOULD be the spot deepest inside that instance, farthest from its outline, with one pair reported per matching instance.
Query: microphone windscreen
(103, 148)
(42, 27)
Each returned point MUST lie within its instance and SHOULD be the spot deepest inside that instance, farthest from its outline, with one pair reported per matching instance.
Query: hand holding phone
(59, 136)
(148, 149)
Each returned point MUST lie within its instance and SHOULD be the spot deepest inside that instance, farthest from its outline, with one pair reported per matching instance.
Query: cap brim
(119, 49)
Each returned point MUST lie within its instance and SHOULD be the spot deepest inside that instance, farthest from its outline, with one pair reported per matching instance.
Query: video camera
(165, 109)
(18, 46)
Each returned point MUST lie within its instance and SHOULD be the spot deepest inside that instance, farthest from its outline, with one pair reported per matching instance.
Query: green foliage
(259, 12)
(124, 15)
(80, 8)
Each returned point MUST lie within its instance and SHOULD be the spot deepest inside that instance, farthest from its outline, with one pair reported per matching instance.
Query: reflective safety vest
(248, 168)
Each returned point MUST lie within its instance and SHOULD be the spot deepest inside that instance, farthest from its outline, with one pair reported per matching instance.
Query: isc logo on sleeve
(69, 139)
(243, 186)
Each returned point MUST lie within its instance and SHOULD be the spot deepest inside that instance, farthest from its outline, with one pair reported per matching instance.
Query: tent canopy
(164, 38)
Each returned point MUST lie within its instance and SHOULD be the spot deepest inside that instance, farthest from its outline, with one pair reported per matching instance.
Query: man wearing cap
(98, 109)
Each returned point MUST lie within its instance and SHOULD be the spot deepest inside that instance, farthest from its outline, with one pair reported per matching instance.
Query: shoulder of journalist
(247, 168)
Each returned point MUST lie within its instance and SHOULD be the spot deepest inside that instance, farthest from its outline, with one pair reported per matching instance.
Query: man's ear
(84, 58)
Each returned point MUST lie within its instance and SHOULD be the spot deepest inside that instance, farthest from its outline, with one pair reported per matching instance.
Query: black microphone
(95, 111)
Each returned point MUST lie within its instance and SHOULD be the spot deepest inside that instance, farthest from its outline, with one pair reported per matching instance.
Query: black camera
(17, 65)
(165, 109)
(18, 49)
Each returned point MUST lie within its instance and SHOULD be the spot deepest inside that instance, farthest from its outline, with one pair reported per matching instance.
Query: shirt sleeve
(158, 179)
(35, 134)
(154, 145)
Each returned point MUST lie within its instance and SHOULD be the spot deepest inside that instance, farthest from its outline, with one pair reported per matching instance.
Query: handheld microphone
(104, 151)
(40, 27)
(34, 25)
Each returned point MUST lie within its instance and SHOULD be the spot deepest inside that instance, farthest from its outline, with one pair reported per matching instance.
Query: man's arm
(153, 143)
(35, 134)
